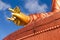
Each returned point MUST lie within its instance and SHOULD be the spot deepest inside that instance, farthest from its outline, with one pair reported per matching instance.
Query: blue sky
(26, 6)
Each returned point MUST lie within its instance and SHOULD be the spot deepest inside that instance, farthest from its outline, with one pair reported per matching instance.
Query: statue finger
(12, 19)
(17, 22)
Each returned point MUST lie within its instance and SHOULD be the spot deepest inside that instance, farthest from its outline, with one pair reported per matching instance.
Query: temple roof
(36, 27)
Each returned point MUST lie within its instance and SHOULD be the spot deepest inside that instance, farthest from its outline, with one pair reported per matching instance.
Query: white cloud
(33, 6)
(3, 6)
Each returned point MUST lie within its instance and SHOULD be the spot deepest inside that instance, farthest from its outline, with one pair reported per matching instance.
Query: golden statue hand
(18, 17)
(22, 18)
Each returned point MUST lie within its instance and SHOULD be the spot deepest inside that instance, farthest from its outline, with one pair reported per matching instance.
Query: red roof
(46, 29)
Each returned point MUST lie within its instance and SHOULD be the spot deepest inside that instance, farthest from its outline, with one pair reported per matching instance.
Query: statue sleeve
(37, 16)
(40, 16)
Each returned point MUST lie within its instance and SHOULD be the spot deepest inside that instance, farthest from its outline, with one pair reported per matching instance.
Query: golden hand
(18, 17)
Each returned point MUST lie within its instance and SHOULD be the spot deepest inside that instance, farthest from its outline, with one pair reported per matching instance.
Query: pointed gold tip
(15, 10)
(12, 19)
(10, 9)
(8, 18)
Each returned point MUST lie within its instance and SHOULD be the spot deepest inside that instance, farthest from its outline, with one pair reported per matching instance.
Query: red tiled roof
(46, 29)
